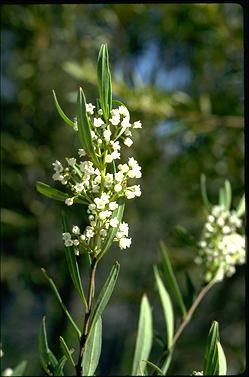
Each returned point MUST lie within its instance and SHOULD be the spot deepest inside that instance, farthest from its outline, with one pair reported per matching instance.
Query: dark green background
(179, 69)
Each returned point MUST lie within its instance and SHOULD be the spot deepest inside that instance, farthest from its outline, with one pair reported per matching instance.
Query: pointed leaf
(222, 198)
(155, 367)
(113, 231)
(104, 297)
(170, 277)
(84, 128)
(61, 112)
(144, 337)
(92, 350)
(166, 363)
(228, 194)
(104, 81)
(48, 360)
(73, 265)
(167, 307)
(19, 369)
(221, 361)
(211, 351)
(53, 193)
(53, 286)
(240, 210)
(204, 193)
(66, 351)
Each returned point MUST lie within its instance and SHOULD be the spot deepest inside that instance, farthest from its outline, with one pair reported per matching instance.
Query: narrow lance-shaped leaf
(55, 194)
(104, 81)
(222, 363)
(92, 350)
(211, 351)
(73, 265)
(53, 286)
(61, 112)
(104, 296)
(66, 351)
(112, 231)
(19, 369)
(204, 193)
(155, 367)
(167, 307)
(84, 127)
(171, 279)
(240, 210)
(144, 338)
(228, 194)
(222, 197)
(48, 360)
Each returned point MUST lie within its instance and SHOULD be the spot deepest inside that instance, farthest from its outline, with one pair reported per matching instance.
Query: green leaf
(155, 367)
(144, 337)
(53, 286)
(92, 350)
(170, 277)
(166, 363)
(84, 128)
(73, 265)
(118, 103)
(104, 297)
(228, 194)
(60, 366)
(61, 112)
(211, 363)
(113, 231)
(66, 351)
(167, 307)
(19, 369)
(240, 210)
(48, 360)
(204, 193)
(221, 360)
(222, 198)
(104, 81)
(53, 193)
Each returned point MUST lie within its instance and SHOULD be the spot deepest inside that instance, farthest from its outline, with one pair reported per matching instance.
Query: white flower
(125, 123)
(118, 187)
(115, 155)
(128, 142)
(124, 168)
(75, 124)
(114, 222)
(133, 191)
(107, 135)
(57, 166)
(87, 167)
(89, 232)
(115, 145)
(113, 206)
(124, 111)
(97, 122)
(76, 229)
(104, 215)
(79, 187)
(90, 108)
(108, 180)
(82, 152)
(137, 124)
(71, 161)
(76, 242)
(124, 243)
(66, 236)
(119, 176)
(102, 201)
(69, 201)
(108, 158)
(57, 176)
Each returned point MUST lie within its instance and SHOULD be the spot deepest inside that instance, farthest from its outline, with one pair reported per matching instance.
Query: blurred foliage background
(179, 69)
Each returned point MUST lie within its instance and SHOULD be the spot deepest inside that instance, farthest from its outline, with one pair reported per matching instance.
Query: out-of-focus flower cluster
(101, 187)
(221, 246)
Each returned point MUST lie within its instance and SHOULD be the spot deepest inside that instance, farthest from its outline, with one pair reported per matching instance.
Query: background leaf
(144, 336)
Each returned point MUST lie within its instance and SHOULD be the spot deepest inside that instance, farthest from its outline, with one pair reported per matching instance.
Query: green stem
(87, 315)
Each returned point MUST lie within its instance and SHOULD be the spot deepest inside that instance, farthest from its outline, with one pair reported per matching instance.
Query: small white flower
(137, 124)
(119, 176)
(68, 243)
(89, 232)
(108, 158)
(79, 187)
(69, 201)
(108, 180)
(66, 236)
(82, 152)
(57, 176)
(114, 222)
(124, 111)
(123, 167)
(90, 108)
(118, 187)
(98, 122)
(57, 166)
(75, 124)
(128, 142)
(76, 229)
(124, 243)
(115, 155)
(76, 242)
(71, 161)
(104, 215)
(113, 206)
(107, 135)
(115, 145)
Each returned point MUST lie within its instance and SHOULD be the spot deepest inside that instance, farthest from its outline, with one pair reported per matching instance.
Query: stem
(87, 315)
(186, 320)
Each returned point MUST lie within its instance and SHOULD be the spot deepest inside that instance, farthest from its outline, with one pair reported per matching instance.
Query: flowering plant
(96, 181)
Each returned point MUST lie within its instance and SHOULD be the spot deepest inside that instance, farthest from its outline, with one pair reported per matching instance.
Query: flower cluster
(101, 187)
(221, 246)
